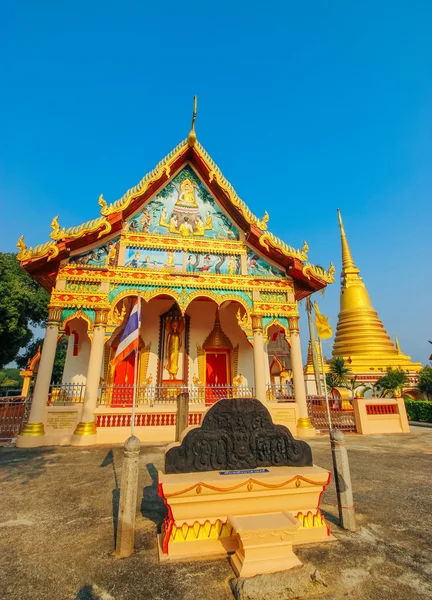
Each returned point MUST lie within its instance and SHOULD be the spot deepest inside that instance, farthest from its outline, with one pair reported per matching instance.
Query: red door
(216, 375)
(123, 381)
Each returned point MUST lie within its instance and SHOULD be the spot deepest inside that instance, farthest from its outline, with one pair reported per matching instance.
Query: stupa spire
(360, 335)
(348, 266)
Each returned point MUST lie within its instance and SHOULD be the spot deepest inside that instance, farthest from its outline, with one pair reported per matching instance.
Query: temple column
(259, 358)
(33, 432)
(305, 429)
(85, 432)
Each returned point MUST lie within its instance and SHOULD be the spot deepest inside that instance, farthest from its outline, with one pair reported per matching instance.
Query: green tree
(10, 377)
(394, 380)
(331, 381)
(425, 381)
(340, 371)
(354, 385)
(23, 303)
(59, 359)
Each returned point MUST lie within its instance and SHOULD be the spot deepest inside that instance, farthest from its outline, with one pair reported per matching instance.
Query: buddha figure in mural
(186, 195)
(185, 219)
(174, 328)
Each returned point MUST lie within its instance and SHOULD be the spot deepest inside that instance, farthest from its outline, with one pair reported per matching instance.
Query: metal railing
(14, 412)
(280, 392)
(341, 413)
(122, 396)
(66, 393)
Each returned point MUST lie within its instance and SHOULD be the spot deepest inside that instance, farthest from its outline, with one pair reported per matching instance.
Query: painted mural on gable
(106, 255)
(185, 208)
(258, 267)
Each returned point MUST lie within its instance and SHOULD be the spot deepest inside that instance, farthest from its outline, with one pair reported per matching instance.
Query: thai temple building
(361, 338)
(219, 300)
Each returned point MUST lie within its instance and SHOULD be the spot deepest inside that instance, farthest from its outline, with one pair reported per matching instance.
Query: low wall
(285, 413)
(154, 424)
(385, 415)
(60, 423)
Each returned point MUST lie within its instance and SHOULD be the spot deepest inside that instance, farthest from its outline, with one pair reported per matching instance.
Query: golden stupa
(361, 338)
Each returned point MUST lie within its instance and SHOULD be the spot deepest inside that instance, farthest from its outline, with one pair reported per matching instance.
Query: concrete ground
(57, 527)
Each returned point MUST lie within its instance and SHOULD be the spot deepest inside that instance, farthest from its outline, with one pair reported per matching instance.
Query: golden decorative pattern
(311, 521)
(72, 233)
(54, 314)
(198, 531)
(82, 286)
(207, 281)
(258, 483)
(327, 276)
(270, 309)
(49, 249)
(152, 240)
(293, 324)
(267, 239)
(80, 300)
(101, 318)
(78, 315)
(164, 166)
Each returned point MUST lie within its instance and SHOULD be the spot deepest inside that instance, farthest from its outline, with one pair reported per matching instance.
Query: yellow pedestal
(265, 543)
(199, 504)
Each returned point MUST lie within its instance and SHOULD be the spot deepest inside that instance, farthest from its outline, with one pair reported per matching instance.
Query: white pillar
(33, 432)
(85, 432)
(259, 358)
(305, 428)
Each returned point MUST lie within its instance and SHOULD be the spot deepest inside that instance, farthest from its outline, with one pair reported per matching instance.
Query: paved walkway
(56, 527)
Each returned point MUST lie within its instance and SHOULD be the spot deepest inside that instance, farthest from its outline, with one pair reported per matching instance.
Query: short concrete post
(128, 499)
(343, 480)
(182, 420)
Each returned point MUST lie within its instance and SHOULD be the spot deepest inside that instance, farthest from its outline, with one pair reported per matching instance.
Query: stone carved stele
(237, 433)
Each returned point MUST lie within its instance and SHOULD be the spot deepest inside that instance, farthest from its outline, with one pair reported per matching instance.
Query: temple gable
(184, 208)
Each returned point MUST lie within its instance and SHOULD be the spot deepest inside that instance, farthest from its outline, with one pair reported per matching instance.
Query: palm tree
(340, 371)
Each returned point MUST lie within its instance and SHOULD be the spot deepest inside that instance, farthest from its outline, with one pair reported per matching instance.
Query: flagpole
(136, 368)
(325, 386)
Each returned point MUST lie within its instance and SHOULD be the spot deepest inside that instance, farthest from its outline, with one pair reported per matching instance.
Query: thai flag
(130, 337)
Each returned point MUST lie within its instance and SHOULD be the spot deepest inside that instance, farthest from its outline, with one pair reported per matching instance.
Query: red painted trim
(168, 521)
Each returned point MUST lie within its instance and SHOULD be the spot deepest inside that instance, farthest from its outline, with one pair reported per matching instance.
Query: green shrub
(419, 410)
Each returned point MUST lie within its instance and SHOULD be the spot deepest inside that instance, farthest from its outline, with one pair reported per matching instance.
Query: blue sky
(305, 106)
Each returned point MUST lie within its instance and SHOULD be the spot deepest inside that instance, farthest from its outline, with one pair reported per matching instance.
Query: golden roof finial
(348, 266)
(192, 135)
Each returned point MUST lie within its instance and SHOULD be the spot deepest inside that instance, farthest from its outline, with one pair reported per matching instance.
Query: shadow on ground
(23, 465)
(152, 505)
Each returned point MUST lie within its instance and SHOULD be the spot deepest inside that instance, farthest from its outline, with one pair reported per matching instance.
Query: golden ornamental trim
(78, 315)
(319, 272)
(268, 239)
(210, 281)
(216, 174)
(149, 240)
(57, 234)
(163, 166)
(49, 249)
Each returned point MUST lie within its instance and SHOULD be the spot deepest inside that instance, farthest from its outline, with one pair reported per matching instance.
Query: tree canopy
(425, 381)
(10, 377)
(394, 380)
(59, 360)
(23, 303)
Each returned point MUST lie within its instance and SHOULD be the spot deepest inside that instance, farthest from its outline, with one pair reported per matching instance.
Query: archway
(279, 357)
